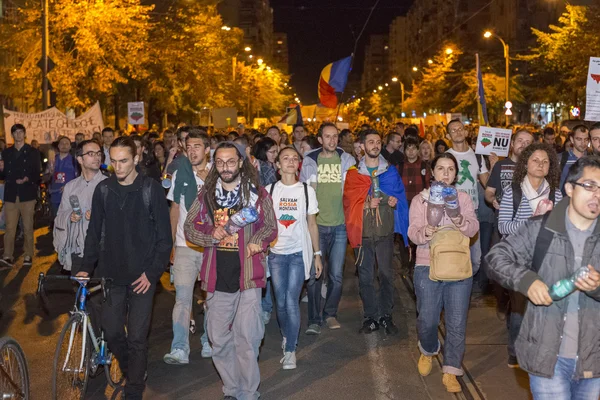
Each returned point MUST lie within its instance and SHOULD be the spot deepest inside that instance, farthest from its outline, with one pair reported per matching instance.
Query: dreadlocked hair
(248, 178)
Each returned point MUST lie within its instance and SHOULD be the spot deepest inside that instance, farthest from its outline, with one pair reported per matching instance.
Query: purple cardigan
(198, 230)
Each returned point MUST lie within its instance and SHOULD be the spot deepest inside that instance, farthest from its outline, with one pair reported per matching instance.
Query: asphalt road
(340, 364)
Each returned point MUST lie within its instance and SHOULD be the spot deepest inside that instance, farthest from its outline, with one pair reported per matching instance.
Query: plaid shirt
(412, 177)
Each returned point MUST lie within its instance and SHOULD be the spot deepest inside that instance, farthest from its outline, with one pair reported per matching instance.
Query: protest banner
(493, 140)
(592, 91)
(135, 113)
(48, 125)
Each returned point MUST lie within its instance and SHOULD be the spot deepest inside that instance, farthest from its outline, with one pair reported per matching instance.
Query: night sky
(322, 31)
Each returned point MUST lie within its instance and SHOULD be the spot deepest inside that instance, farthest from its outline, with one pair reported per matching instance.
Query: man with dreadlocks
(233, 268)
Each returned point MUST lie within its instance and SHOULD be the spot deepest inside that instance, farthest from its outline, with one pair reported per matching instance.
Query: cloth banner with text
(48, 125)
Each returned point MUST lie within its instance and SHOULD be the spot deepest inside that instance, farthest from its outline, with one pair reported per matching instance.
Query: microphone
(74, 200)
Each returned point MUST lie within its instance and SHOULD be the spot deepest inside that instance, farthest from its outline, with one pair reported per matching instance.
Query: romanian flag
(481, 106)
(333, 80)
(293, 116)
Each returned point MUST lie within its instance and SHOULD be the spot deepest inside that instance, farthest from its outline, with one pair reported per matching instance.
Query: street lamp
(380, 87)
(394, 79)
(259, 61)
(225, 28)
(448, 51)
(430, 61)
(487, 35)
(247, 48)
(415, 69)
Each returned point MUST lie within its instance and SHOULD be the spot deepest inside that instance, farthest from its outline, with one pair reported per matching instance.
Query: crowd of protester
(124, 206)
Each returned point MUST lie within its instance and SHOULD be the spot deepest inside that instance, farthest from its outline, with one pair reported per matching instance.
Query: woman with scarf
(296, 248)
(534, 191)
(434, 295)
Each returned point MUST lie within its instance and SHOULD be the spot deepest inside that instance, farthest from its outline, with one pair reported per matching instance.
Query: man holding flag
(375, 208)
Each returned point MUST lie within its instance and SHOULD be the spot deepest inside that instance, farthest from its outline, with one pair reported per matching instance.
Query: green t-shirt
(329, 191)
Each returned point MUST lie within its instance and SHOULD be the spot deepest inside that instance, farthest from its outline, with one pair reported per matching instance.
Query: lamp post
(487, 35)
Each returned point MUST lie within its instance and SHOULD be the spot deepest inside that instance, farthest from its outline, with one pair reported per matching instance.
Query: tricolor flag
(481, 106)
(333, 80)
(293, 116)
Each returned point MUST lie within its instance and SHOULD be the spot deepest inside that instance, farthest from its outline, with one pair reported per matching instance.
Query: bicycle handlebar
(81, 280)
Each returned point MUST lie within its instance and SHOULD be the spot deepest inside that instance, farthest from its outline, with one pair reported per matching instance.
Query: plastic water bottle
(435, 205)
(166, 181)
(237, 221)
(565, 287)
(451, 201)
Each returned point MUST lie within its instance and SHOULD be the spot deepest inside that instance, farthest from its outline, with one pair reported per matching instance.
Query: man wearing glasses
(74, 212)
(558, 340)
(233, 270)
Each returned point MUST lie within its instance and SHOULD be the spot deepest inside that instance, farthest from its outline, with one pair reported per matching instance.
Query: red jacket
(198, 230)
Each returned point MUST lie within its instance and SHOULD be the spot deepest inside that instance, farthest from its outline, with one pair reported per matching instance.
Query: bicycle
(79, 353)
(14, 374)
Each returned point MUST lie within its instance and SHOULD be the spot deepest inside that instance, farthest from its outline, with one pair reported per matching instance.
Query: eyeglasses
(93, 154)
(230, 163)
(590, 187)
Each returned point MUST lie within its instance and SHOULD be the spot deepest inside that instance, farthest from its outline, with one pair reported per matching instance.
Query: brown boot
(451, 383)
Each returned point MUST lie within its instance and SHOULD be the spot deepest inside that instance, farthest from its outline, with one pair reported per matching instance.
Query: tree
(95, 46)
(494, 87)
(560, 60)
(432, 92)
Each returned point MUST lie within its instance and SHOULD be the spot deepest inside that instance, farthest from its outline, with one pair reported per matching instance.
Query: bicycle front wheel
(71, 361)
(14, 375)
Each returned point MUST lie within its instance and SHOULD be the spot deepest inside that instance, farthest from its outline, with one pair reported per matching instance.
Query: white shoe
(283, 343)
(289, 360)
(206, 350)
(176, 357)
(266, 317)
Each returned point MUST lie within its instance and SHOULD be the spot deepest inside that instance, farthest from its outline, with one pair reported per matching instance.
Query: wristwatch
(318, 253)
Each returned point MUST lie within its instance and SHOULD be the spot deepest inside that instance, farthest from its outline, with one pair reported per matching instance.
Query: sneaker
(283, 343)
(289, 360)
(425, 364)
(176, 357)
(266, 317)
(369, 326)
(27, 262)
(192, 326)
(332, 323)
(451, 383)
(206, 350)
(313, 329)
(501, 314)
(513, 362)
(388, 324)
(7, 262)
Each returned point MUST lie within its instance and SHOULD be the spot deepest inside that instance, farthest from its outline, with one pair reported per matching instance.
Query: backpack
(518, 195)
(542, 244)
(305, 192)
(564, 157)
(449, 255)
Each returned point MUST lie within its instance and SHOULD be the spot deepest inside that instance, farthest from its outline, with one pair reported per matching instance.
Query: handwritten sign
(493, 140)
(592, 91)
(48, 125)
(135, 113)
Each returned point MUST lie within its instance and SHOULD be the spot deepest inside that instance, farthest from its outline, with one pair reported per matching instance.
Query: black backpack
(542, 244)
(518, 195)
(305, 192)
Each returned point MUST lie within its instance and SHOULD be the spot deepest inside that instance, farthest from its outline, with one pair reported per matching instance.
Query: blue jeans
(185, 273)
(563, 385)
(287, 274)
(267, 299)
(333, 241)
(453, 298)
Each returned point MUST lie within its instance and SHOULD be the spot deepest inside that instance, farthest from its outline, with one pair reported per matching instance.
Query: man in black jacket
(20, 168)
(129, 237)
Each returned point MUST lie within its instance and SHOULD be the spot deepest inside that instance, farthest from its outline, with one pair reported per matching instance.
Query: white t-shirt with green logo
(468, 173)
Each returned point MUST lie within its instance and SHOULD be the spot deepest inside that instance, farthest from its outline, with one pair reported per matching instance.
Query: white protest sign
(592, 91)
(493, 140)
(48, 125)
(135, 113)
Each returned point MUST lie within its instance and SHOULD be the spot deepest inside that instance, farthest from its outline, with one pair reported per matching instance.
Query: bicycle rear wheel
(70, 376)
(14, 377)
(114, 376)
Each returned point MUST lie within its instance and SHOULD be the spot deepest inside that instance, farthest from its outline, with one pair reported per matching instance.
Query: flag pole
(352, 55)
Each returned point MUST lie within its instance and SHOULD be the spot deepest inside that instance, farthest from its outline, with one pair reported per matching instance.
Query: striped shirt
(507, 225)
